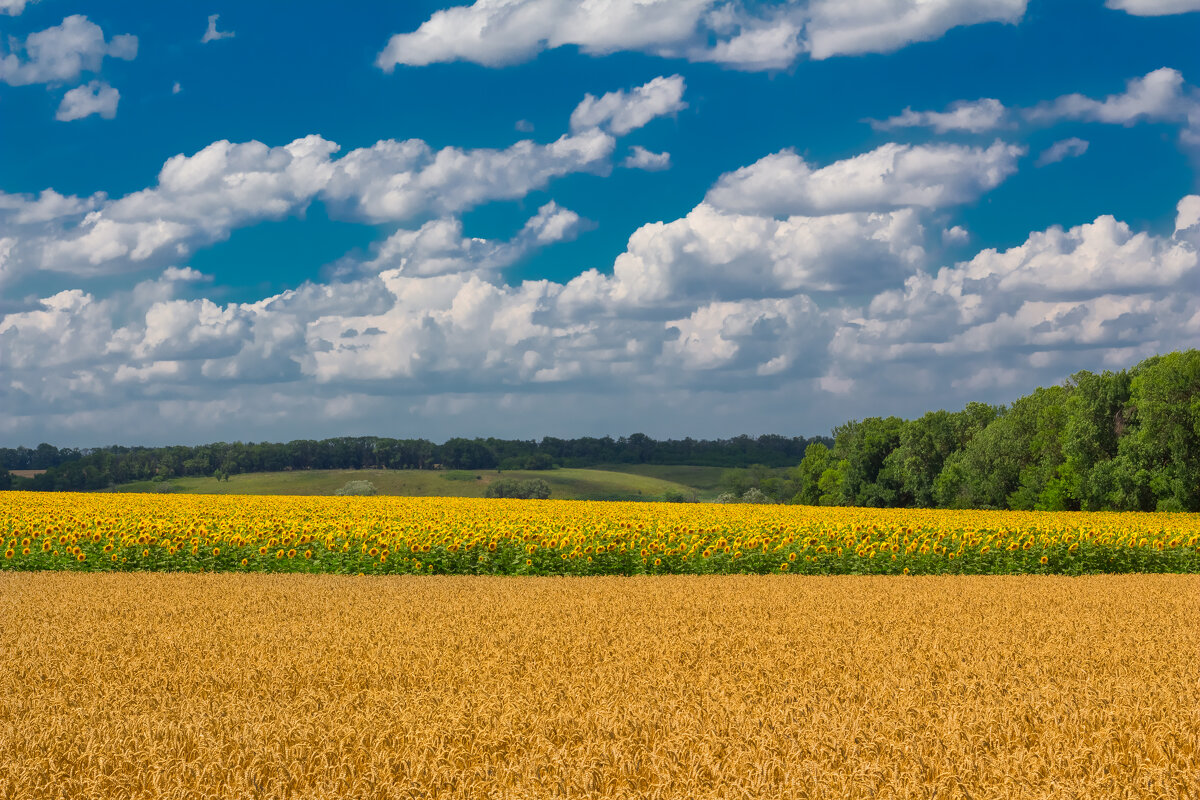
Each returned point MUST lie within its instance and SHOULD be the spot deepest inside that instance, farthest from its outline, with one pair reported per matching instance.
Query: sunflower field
(460, 536)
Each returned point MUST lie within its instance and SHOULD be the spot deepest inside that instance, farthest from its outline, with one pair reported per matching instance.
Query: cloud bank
(733, 34)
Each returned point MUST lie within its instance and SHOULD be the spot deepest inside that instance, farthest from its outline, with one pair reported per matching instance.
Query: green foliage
(357, 489)
(533, 461)
(1164, 439)
(925, 444)
(532, 489)
(1097, 416)
(862, 449)
(808, 474)
(1128, 440)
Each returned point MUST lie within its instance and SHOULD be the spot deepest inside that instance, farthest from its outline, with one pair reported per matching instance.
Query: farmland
(324, 686)
(387, 535)
(565, 484)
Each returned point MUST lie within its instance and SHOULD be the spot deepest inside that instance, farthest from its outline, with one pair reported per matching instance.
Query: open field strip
(565, 484)
(320, 686)
(382, 535)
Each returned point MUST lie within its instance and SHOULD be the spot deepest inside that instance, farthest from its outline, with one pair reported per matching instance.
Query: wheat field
(153, 685)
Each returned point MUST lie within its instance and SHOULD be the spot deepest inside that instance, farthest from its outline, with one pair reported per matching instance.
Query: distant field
(26, 473)
(706, 479)
(314, 687)
(565, 484)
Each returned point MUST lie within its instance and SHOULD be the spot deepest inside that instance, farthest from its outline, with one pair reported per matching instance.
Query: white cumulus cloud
(848, 27)
(201, 197)
(438, 247)
(14, 8)
(211, 34)
(94, 97)
(808, 288)
(1154, 8)
(620, 112)
(1157, 96)
(1187, 213)
(641, 158)
(1065, 148)
(712, 254)
(59, 54)
(973, 116)
(735, 34)
(1094, 285)
(890, 176)
(394, 181)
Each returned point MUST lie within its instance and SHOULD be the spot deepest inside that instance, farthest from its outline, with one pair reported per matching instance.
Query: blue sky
(541, 217)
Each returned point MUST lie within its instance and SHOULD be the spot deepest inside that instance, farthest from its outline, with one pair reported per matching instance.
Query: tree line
(1127, 441)
(75, 469)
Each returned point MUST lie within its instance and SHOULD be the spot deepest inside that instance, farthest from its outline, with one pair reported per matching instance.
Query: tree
(467, 454)
(1097, 417)
(864, 447)
(925, 444)
(533, 489)
(807, 475)
(1162, 452)
(1013, 462)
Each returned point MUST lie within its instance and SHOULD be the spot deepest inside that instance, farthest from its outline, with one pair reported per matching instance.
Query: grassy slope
(706, 479)
(567, 484)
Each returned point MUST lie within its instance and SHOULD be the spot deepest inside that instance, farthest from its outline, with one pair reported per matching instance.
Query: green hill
(565, 484)
(705, 479)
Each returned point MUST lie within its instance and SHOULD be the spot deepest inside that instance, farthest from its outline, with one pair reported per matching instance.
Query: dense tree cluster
(75, 469)
(1127, 440)
(533, 489)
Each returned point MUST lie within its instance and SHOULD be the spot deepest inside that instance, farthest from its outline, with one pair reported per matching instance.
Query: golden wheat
(309, 686)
